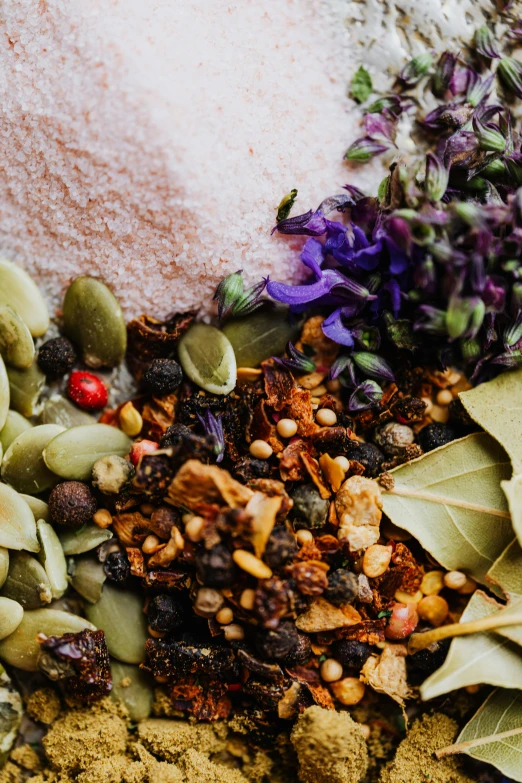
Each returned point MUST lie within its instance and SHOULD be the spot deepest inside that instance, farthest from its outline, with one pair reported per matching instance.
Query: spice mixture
(262, 528)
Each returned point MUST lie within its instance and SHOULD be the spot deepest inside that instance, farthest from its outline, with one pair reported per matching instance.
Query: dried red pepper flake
(206, 701)
(291, 466)
(314, 471)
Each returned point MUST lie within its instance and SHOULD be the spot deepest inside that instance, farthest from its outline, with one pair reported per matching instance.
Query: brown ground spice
(43, 705)
(26, 758)
(414, 761)
(10, 773)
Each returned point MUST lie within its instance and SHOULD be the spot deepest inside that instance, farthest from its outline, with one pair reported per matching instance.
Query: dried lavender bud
(343, 587)
(276, 643)
(369, 456)
(72, 504)
(434, 435)
(310, 509)
(174, 435)
(117, 566)
(247, 469)
(300, 653)
(165, 614)
(163, 376)
(56, 357)
(215, 566)
(393, 438)
(280, 548)
(351, 653)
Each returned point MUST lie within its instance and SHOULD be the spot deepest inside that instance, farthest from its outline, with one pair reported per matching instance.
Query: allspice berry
(72, 504)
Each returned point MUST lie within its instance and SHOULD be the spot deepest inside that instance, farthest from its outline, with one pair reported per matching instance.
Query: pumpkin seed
(4, 564)
(11, 713)
(5, 396)
(16, 342)
(23, 466)
(76, 542)
(260, 335)
(52, 558)
(17, 523)
(21, 648)
(11, 613)
(27, 581)
(25, 388)
(207, 357)
(72, 454)
(38, 507)
(60, 410)
(14, 425)
(120, 614)
(93, 319)
(136, 692)
(87, 577)
(19, 291)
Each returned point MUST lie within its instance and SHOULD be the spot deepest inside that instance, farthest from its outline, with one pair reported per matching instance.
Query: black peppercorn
(215, 566)
(174, 435)
(247, 469)
(72, 504)
(369, 456)
(300, 653)
(56, 357)
(351, 653)
(310, 509)
(435, 435)
(276, 643)
(343, 587)
(165, 614)
(117, 566)
(430, 659)
(280, 548)
(163, 376)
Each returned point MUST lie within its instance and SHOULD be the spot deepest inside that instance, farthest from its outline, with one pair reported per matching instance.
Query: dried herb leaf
(361, 86)
(494, 734)
(497, 407)
(285, 205)
(506, 571)
(480, 658)
(513, 492)
(451, 501)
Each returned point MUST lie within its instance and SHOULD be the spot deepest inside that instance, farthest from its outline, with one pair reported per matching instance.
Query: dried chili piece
(81, 660)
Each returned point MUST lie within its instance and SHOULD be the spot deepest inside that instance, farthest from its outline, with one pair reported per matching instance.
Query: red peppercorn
(402, 622)
(139, 449)
(87, 391)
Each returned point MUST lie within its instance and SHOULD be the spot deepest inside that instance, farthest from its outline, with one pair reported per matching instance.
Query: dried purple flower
(363, 150)
(364, 396)
(415, 69)
(343, 363)
(510, 74)
(232, 299)
(436, 179)
(464, 316)
(441, 80)
(488, 136)
(485, 43)
(310, 224)
(298, 361)
(374, 366)
(213, 425)
(390, 102)
(334, 328)
(513, 333)
(479, 90)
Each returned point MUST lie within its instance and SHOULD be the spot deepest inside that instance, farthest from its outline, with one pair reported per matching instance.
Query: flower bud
(443, 73)
(437, 176)
(470, 350)
(363, 150)
(368, 337)
(364, 396)
(488, 138)
(297, 361)
(513, 333)
(373, 365)
(432, 321)
(416, 68)
(390, 102)
(485, 44)
(510, 74)
(464, 314)
(285, 205)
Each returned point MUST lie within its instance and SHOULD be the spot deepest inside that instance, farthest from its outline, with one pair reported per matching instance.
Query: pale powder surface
(148, 141)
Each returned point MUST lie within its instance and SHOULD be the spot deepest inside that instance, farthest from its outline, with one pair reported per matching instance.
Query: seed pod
(21, 649)
(59, 410)
(23, 466)
(25, 388)
(93, 319)
(73, 454)
(16, 342)
(18, 290)
(120, 614)
(27, 581)
(52, 558)
(208, 359)
(17, 523)
(87, 578)
(38, 507)
(14, 425)
(11, 613)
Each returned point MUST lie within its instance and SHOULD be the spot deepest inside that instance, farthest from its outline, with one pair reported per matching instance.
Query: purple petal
(334, 328)
(310, 224)
(298, 294)
(312, 256)
(368, 258)
(378, 126)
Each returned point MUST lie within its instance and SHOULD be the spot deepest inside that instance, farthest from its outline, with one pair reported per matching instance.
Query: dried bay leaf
(497, 407)
(480, 658)
(451, 501)
(513, 492)
(506, 571)
(494, 734)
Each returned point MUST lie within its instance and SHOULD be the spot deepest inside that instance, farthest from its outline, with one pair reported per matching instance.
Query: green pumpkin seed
(14, 425)
(136, 692)
(87, 578)
(21, 649)
(27, 581)
(76, 542)
(38, 507)
(17, 523)
(11, 713)
(72, 454)
(5, 396)
(256, 337)
(93, 319)
(11, 613)
(19, 291)
(52, 558)
(23, 466)
(60, 410)
(208, 359)
(120, 614)
(4, 564)
(25, 388)
(16, 342)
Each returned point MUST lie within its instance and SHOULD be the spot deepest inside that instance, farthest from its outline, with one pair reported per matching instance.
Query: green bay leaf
(497, 407)
(361, 86)
(494, 733)
(506, 571)
(451, 501)
(482, 657)
(513, 492)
